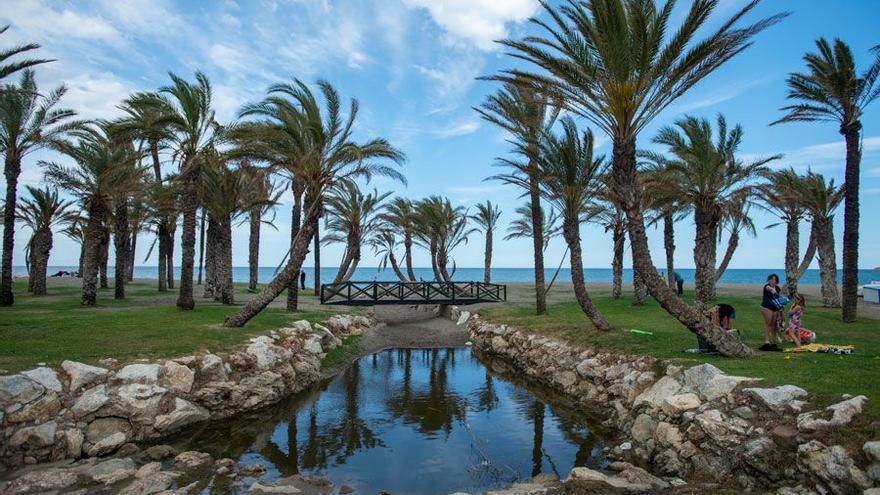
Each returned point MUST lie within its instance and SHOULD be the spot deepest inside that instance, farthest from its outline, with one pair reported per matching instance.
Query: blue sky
(412, 64)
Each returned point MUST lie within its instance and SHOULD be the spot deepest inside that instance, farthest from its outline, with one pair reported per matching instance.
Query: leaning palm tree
(486, 218)
(399, 212)
(195, 130)
(569, 178)
(75, 230)
(705, 173)
(440, 228)
(820, 199)
(832, 91)
(9, 66)
(384, 243)
(617, 64)
(526, 112)
(353, 218)
(333, 156)
(104, 170)
(736, 221)
(43, 211)
(29, 121)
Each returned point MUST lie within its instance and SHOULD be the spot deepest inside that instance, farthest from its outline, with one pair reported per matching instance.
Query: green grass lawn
(55, 327)
(826, 376)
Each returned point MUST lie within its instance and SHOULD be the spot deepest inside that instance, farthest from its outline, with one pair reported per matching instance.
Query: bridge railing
(377, 292)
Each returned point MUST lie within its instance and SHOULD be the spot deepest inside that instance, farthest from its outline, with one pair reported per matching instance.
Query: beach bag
(807, 336)
(779, 302)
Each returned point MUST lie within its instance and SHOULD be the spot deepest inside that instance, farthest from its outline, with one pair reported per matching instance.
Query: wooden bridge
(384, 293)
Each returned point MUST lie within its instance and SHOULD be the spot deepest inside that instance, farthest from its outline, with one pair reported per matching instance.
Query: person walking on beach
(679, 282)
(302, 279)
(771, 311)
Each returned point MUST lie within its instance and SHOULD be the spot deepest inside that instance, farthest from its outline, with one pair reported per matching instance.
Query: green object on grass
(641, 332)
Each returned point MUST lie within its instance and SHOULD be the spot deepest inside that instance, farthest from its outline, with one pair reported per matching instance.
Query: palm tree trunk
(809, 254)
(626, 188)
(30, 261)
(850, 284)
(617, 261)
(282, 280)
(355, 260)
(201, 246)
(92, 241)
(407, 246)
(105, 257)
(169, 259)
(396, 267)
(82, 256)
(442, 262)
(225, 291)
(295, 220)
(185, 299)
(210, 288)
(12, 170)
(537, 239)
(254, 248)
(163, 255)
(732, 244)
(487, 263)
(669, 246)
(317, 257)
(573, 238)
(827, 262)
(120, 239)
(792, 252)
(132, 251)
(345, 263)
(640, 290)
(40, 247)
(705, 268)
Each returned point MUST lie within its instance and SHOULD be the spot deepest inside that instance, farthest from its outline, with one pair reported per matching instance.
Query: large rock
(724, 430)
(266, 353)
(139, 373)
(184, 413)
(698, 377)
(592, 476)
(155, 483)
(654, 396)
(19, 389)
(833, 466)
(212, 369)
(777, 399)
(90, 401)
(108, 445)
(180, 378)
(722, 385)
(643, 428)
(42, 480)
(102, 428)
(191, 459)
(83, 374)
(140, 402)
(73, 441)
(312, 344)
(677, 404)
(840, 414)
(46, 377)
(872, 450)
(260, 489)
(112, 471)
(42, 409)
(35, 436)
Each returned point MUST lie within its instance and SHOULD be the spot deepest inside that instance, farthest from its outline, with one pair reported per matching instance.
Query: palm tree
(525, 111)
(399, 213)
(105, 170)
(832, 91)
(486, 218)
(569, 178)
(352, 218)
(778, 195)
(75, 230)
(9, 67)
(599, 61)
(384, 243)
(41, 213)
(657, 180)
(736, 221)
(440, 228)
(332, 157)
(521, 226)
(29, 122)
(264, 195)
(612, 219)
(195, 130)
(820, 199)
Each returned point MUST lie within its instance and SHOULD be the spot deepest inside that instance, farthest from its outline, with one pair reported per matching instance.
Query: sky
(413, 65)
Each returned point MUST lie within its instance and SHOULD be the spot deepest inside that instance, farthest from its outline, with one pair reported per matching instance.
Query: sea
(499, 275)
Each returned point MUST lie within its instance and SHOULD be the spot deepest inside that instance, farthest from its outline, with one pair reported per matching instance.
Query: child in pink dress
(795, 331)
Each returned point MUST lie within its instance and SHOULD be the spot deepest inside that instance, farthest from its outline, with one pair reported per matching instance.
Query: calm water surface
(411, 421)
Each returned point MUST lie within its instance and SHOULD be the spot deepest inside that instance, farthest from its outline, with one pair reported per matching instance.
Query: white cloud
(827, 155)
(96, 96)
(457, 129)
(476, 22)
(40, 21)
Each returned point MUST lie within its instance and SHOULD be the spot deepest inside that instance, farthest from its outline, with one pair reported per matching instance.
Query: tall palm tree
(333, 156)
(820, 199)
(399, 213)
(43, 211)
(352, 218)
(832, 91)
(736, 221)
(521, 226)
(526, 112)
(264, 195)
(569, 177)
(706, 174)
(384, 243)
(486, 218)
(104, 170)
(9, 66)
(195, 131)
(440, 228)
(74, 229)
(29, 122)
(778, 195)
(657, 180)
(618, 64)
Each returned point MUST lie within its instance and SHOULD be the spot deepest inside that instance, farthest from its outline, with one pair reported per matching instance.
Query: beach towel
(826, 348)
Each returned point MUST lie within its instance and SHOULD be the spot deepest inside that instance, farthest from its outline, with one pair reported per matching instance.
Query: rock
(108, 444)
(74, 441)
(40, 410)
(128, 449)
(677, 404)
(102, 428)
(191, 460)
(722, 385)
(159, 452)
(785, 435)
(566, 379)
(180, 378)
(155, 483)
(112, 471)
(724, 430)
(83, 374)
(841, 414)
(777, 399)
(265, 353)
(498, 343)
(312, 344)
(643, 428)
(589, 368)
(833, 466)
(654, 396)
(638, 476)
(252, 470)
(872, 450)
(212, 368)
(47, 377)
(744, 412)
(590, 475)
(90, 401)
(184, 413)
(139, 373)
(148, 470)
(463, 318)
(139, 401)
(668, 435)
(874, 472)
(259, 488)
(345, 490)
(42, 480)
(698, 377)
(35, 436)
(19, 389)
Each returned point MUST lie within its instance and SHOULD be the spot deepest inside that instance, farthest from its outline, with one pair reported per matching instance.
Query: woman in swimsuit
(770, 313)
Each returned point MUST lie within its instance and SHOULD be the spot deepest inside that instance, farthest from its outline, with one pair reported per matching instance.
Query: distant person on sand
(771, 311)
(679, 282)
(302, 278)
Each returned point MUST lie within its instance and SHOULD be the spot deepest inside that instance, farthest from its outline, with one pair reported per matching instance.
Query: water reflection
(411, 421)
